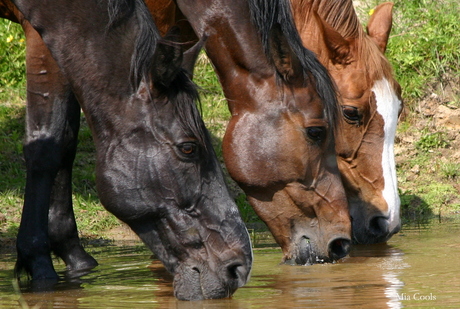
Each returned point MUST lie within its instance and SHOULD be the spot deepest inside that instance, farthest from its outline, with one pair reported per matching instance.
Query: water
(417, 268)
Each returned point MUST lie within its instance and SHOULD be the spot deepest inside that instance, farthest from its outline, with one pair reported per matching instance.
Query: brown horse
(370, 99)
(277, 146)
(279, 143)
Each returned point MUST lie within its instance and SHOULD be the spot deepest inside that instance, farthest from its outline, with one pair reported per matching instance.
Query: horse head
(371, 101)
(181, 207)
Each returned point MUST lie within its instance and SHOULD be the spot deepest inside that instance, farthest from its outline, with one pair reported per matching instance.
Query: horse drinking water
(279, 143)
(370, 99)
(156, 169)
(279, 139)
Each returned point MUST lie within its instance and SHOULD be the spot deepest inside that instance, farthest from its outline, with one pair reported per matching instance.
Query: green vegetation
(424, 46)
(423, 49)
(12, 56)
(433, 140)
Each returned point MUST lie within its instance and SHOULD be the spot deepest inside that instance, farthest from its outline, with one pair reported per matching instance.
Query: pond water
(417, 268)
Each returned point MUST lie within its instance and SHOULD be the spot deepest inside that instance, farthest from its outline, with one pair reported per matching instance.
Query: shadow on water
(415, 268)
(415, 210)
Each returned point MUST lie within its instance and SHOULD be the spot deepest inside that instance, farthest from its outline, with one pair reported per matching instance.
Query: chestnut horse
(279, 143)
(371, 101)
(156, 168)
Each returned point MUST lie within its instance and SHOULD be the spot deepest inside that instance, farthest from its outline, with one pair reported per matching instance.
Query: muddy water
(417, 268)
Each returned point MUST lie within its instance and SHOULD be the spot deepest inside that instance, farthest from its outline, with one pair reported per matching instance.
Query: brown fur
(355, 59)
(340, 15)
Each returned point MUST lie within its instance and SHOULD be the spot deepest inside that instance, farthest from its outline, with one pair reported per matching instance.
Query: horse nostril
(238, 272)
(379, 226)
(196, 269)
(339, 248)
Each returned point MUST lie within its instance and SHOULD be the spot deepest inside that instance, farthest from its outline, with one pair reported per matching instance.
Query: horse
(282, 97)
(279, 142)
(371, 102)
(156, 169)
(355, 60)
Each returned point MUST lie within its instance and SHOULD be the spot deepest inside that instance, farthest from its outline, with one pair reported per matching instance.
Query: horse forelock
(265, 14)
(147, 35)
(183, 94)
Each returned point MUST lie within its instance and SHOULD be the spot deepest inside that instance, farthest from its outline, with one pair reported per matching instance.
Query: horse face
(365, 143)
(371, 103)
(370, 99)
(282, 155)
(163, 179)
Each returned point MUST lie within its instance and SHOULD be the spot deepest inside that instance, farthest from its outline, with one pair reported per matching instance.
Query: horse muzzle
(307, 253)
(199, 282)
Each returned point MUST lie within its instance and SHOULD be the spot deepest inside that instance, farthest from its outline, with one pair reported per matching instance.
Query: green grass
(424, 46)
(432, 140)
(12, 57)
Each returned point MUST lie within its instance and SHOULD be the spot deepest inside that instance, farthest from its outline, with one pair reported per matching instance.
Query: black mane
(266, 14)
(181, 92)
(146, 41)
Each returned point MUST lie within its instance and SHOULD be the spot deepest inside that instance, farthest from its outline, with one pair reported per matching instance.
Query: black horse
(156, 168)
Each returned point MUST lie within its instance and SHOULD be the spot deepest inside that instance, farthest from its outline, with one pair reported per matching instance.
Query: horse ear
(286, 62)
(191, 55)
(339, 47)
(380, 23)
(167, 60)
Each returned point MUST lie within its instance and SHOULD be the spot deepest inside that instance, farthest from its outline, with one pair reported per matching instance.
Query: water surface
(417, 268)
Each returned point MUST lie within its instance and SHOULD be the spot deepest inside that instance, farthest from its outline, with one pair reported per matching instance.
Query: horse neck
(95, 60)
(233, 46)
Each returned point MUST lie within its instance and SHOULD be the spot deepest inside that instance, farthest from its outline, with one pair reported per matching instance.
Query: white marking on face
(388, 106)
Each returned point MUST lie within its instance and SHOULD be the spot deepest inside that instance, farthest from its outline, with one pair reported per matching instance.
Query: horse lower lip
(305, 252)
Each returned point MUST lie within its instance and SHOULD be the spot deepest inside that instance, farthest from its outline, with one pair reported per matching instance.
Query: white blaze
(388, 106)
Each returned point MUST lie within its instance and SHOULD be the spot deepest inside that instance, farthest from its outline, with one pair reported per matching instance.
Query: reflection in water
(392, 291)
(414, 269)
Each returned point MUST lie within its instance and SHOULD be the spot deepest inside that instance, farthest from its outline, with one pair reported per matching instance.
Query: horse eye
(316, 133)
(351, 113)
(187, 148)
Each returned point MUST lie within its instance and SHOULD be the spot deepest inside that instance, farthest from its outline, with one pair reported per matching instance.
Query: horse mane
(181, 92)
(266, 14)
(341, 16)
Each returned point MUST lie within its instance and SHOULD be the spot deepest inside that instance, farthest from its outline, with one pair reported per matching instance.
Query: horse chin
(191, 283)
(375, 232)
(367, 237)
(371, 227)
